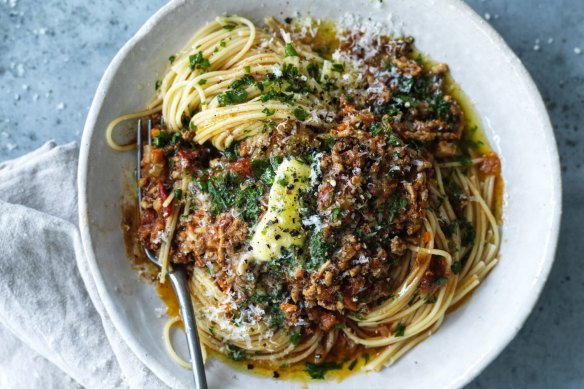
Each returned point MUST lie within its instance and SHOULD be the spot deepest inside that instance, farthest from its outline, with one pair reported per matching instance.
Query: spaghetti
(324, 190)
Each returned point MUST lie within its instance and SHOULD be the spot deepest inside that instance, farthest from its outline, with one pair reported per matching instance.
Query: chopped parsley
(269, 125)
(197, 61)
(467, 231)
(405, 101)
(318, 249)
(235, 353)
(397, 204)
(456, 267)
(232, 96)
(393, 139)
(275, 316)
(157, 84)
(465, 160)
(269, 302)
(247, 200)
(335, 212)
(313, 70)
(202, 81)
(161, 139)
(359, 317)
(247, 79)
(272, 94)
(339, 67)
(230, 26)
(300, 113)
(375, 129)
(171, 59)
(232, 151)
(328, 142)
(295, 338)
(232, 191)
(237, 93)
(268, 112)
(318, 372)
(405, 84)
(400, 330)
(262, 170)
(290, 51)
(438, 107)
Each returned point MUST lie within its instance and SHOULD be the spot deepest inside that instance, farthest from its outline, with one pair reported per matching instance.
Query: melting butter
(281, 227)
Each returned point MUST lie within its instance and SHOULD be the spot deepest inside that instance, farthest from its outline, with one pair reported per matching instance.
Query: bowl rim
(514, 63)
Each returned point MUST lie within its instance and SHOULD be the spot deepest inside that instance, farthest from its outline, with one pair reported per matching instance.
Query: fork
(178, 278)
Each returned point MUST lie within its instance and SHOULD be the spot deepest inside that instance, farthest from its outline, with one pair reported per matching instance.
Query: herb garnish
(318, 249)
(232, 191)
(335, 212)
(197, 61)
(313, 70)
(375, 129)
(339, 67)
(396, 205)
(268, 112)
(290, 51)
(235, 353)
(247, 79)
(276, 95)
(232, 96)
(231, 152)
(300, 113)
(262, 170)
(400, 329)
(318, 372)
(295, 338)
(161, 139)
(393, 139)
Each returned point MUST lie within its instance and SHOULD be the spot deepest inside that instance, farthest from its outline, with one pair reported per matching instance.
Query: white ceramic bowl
(512, 113)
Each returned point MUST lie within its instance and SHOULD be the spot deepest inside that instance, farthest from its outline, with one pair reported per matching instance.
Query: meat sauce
(321, 295)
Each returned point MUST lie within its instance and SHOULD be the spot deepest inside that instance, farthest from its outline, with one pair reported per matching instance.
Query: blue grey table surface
(53, 53)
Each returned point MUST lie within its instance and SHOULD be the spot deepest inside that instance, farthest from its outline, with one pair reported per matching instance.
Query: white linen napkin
(54, 331)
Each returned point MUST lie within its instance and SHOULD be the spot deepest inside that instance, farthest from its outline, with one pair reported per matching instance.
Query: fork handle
(179, 283)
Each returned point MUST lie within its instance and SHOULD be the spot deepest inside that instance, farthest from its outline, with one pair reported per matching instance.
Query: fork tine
(139, 161)
(149, 132)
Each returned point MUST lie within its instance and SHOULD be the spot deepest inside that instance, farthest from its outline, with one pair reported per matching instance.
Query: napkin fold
(54, 330)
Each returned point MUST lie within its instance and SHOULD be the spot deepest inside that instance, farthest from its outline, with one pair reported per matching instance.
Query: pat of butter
(281, 227)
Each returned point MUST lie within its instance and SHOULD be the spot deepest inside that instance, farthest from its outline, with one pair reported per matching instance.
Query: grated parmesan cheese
(315, 170)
